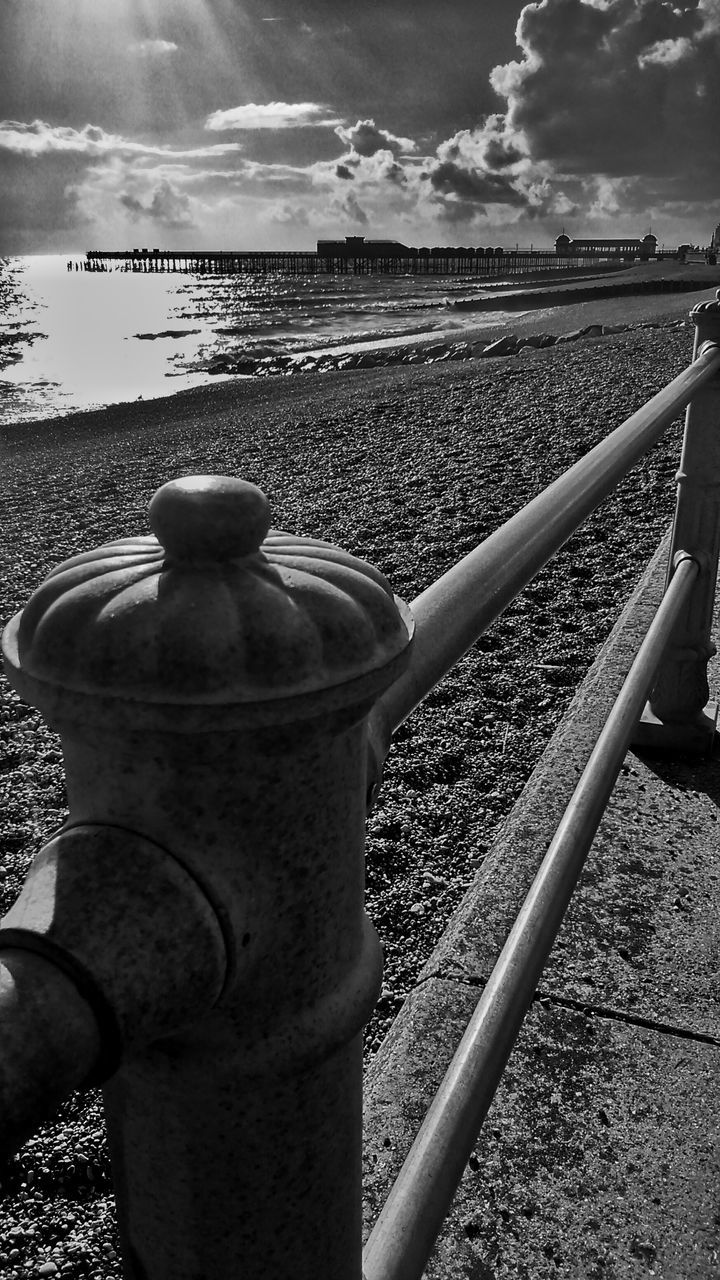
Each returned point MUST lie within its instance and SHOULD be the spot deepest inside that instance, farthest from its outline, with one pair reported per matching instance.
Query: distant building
(605, 247)
(358, 246)
(715, 242)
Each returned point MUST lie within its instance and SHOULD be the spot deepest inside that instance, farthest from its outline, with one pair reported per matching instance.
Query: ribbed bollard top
(214, 608)
(709, 309)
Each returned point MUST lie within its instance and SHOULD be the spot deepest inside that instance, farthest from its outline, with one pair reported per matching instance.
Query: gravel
(409, 468)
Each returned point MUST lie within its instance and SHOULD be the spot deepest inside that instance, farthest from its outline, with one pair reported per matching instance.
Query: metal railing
(195, 938)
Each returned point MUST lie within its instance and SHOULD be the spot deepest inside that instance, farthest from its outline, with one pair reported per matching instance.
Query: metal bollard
(212, 696)
(678, 715)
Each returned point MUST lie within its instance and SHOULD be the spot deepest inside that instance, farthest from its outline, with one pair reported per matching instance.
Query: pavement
(600, 1156)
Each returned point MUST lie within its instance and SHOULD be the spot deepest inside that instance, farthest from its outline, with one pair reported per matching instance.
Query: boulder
(506, 346)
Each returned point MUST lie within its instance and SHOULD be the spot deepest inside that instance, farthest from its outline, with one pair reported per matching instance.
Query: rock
(592, 331)
(506, 346)
(47, 1269)
(572, 336)
(614, 328)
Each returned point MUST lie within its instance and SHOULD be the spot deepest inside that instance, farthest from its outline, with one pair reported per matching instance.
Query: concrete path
(600, 1157)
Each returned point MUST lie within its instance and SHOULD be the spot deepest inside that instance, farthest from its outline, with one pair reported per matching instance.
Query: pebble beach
(408, 466)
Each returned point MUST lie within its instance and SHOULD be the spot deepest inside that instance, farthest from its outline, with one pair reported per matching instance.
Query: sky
(249, 124)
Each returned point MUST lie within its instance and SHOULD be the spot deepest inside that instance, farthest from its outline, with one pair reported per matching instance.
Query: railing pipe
(110, 945)
(678, 715)
(50, 1043)
(454, 611)
(404, 1235)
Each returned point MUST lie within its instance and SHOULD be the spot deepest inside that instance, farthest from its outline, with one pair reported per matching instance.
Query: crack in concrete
(584, 1007)
(632, 1019)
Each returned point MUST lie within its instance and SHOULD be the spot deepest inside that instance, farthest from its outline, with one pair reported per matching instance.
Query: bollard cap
(213, 609)
(707, 311)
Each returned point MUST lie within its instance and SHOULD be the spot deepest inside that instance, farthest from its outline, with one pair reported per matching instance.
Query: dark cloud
(611, 115)
(342, 171)
(168, 207)
(624, 88)
(450, 178)
(499, 155)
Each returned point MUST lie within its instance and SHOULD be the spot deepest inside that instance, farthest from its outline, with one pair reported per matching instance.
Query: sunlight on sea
(86, 352)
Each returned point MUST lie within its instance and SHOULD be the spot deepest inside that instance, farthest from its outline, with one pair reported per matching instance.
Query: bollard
(678, 715)
(212, 692)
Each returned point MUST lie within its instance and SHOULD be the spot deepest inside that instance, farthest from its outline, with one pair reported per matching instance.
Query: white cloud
(39, 138)
(154, 48)
(665, 52)
(366, 139)
(272, 115)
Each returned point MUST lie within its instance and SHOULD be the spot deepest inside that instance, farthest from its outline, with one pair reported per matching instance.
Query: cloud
(342, 171)
(288, 215)
(620, 88)
(168, 207)
(469, 184)
(39, 139)
(154, 48)
(366, 139)
(350, 210)
(272, 115)
(612, 105)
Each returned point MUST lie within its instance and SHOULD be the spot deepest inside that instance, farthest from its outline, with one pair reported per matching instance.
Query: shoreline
(636, 295)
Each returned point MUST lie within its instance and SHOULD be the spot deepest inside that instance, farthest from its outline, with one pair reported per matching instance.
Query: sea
(72, 339)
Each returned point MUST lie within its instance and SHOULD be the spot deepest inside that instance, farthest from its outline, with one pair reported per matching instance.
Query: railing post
(212, 692)
(678, 715)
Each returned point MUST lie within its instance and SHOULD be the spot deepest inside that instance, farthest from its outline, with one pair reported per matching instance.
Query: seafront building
(608, 247)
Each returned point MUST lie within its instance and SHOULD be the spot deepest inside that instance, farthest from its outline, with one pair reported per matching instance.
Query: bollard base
(694, 737)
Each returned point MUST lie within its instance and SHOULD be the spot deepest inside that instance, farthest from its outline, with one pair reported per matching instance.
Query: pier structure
(201, 261)
(345, 258)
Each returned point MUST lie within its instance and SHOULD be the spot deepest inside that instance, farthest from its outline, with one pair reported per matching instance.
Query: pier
(338, 258)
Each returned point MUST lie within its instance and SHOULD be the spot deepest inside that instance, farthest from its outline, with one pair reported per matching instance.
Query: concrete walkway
(600, 1157)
